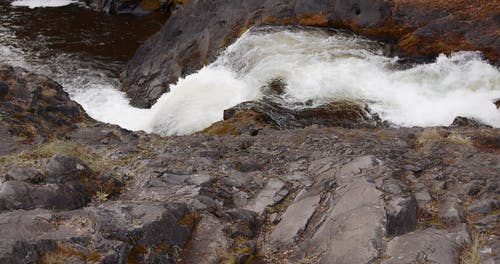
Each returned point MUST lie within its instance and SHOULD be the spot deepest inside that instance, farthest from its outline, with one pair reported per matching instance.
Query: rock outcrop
(197, 32)
(33, 108)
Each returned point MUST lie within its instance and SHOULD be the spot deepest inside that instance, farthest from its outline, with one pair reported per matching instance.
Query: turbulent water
(325, 66)
(317, 65)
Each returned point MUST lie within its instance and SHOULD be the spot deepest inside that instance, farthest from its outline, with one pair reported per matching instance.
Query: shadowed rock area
(198, 30)
(100, 194)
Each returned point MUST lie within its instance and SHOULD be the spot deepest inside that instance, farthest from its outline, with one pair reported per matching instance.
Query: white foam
(43, 3)
(322, 67)
(105, 103)
(199, 100)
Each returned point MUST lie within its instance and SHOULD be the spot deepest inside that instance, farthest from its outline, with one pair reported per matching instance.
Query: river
(85, 50)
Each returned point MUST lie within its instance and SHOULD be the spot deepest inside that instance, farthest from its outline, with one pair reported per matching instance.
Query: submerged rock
(461, 121)
(267, 112)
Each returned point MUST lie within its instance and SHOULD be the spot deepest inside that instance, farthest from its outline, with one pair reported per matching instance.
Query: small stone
(423, 196)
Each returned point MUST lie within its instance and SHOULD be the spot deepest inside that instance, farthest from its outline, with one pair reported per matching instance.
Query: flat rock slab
(273, 193)
(427, 246)
(354, 230)
(294, 220)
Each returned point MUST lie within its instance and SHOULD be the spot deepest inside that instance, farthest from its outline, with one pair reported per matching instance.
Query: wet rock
(209, 243)
(450, 211)
(484, 206)
(193, 49)
(344, 114)
(273, 193)
(426, 246)
(401, 215)
(461, 121)
(294, 220)
(275, 87)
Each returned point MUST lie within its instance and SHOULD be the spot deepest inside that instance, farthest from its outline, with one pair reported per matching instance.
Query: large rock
(20, 195)
(34, 107)
(354, 227)
(115, 232)
(267, 113)
(195, 33)
(63, 168)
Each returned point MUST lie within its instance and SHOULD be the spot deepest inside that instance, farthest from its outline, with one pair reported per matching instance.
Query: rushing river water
(84, 51)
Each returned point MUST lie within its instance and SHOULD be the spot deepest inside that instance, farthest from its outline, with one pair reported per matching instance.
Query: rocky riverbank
(76, 190)
(197, 31)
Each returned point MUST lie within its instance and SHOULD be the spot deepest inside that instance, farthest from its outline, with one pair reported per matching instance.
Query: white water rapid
(316, 65)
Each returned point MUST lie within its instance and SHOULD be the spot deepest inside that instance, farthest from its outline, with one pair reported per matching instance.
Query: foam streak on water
(43, 3)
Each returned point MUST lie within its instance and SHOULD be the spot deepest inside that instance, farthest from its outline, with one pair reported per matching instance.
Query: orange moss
(134, 256)
(189, 219)
(62, 253)
(230, 127)
(313, 20)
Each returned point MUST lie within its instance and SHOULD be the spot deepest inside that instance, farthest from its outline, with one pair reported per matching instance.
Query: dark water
(76, 31)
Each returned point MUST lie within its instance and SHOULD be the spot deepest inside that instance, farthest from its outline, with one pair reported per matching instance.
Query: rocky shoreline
(334, 184)
(95, 193)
